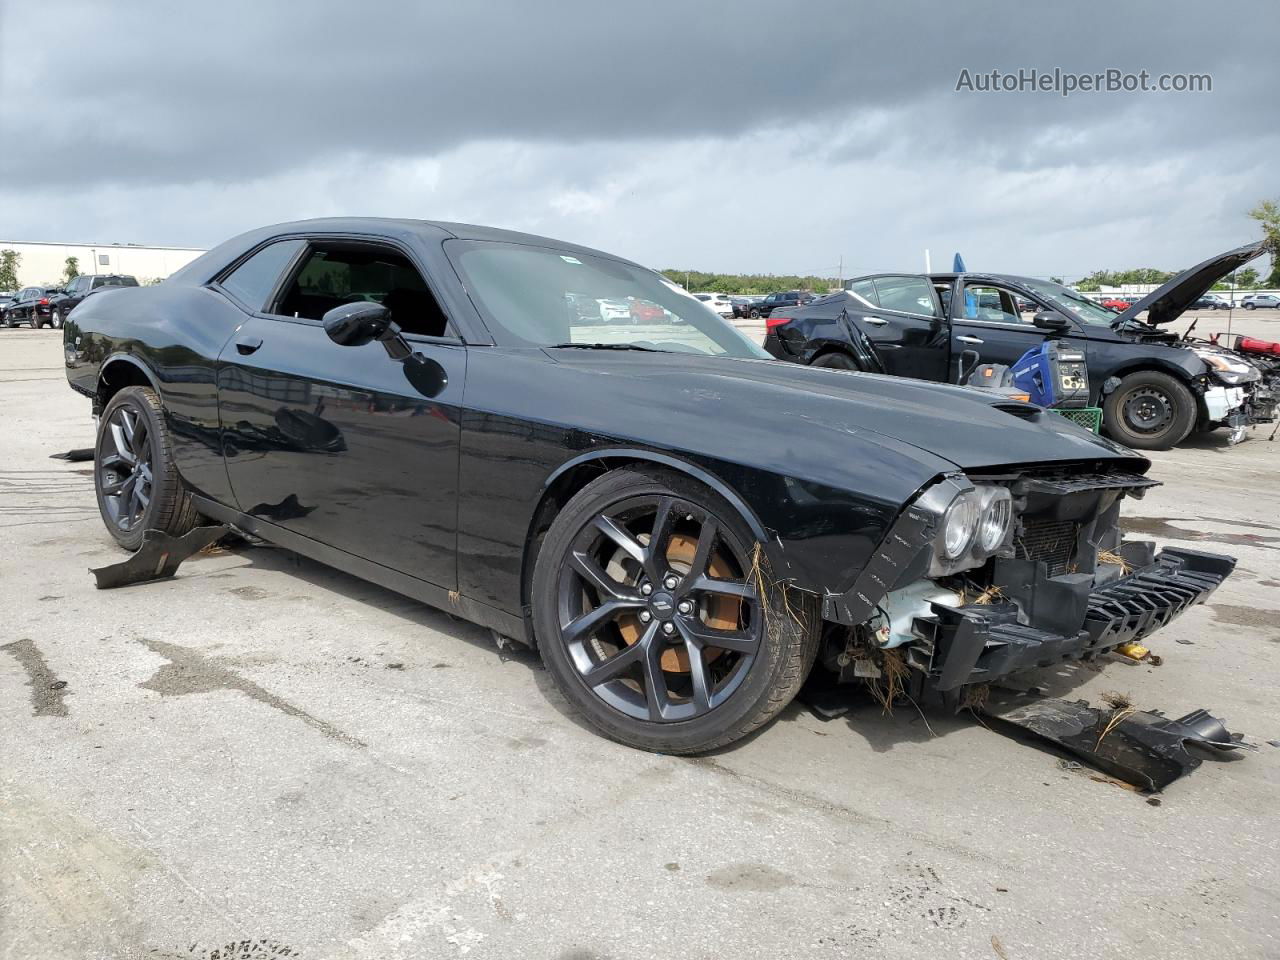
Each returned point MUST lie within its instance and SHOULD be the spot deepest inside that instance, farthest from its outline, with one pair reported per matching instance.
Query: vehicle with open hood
(682, 526)
(1154, 388)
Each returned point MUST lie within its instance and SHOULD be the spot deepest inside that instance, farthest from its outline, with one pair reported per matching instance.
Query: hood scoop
(1023, 411)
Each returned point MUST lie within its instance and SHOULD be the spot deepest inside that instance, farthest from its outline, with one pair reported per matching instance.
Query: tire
(755, 314)
(1149, 411)
(1248, 306)
(133, 425)
(57, 319)
(35, 321)
(835, 361)
(646, 692)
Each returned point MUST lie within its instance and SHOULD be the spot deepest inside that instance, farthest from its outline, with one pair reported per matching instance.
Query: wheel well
(834, 348)
(115, 376)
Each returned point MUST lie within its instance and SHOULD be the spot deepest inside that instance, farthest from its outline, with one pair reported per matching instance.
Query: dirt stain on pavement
(47, 691)
(749, 877)
(190, 672)
(1257, 617)
(1163, 527)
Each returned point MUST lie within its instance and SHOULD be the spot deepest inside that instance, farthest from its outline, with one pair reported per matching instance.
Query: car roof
(228, 251)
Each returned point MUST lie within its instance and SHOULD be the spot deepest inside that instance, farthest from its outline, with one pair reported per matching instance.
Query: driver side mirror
(355, 324)
(1048, 320)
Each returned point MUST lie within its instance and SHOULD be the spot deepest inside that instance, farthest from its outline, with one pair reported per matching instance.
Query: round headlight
(958, 525)
(996, 518)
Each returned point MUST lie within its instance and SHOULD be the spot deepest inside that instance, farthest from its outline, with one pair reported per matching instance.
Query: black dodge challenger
(682, 526)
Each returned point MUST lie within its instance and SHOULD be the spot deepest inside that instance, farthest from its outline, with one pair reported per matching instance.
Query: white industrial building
(44, 264)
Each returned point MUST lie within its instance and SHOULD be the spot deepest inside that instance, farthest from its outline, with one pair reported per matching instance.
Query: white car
(719, 302)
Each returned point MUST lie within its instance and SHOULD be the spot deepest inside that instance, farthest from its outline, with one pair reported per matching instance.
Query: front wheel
(134, 474)
(755, 314)
(656, 620)
(1248, 306)
(1149, 411)
(56, 319)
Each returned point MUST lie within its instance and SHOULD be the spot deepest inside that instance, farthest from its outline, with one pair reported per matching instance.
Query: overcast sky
(733, 135)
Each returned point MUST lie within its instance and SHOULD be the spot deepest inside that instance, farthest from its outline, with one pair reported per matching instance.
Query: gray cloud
(733, 135)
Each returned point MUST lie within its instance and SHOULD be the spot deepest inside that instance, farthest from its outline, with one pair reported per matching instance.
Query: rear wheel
(654, 620)
(755, 314)
(134, 475)
(1149, 411)
(56, 319)
(835, 361)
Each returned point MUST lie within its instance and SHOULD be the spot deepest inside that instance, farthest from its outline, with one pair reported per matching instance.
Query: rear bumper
(980, 644)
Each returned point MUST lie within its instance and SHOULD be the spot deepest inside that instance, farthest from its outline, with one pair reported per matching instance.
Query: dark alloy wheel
(1150, 411)
(755, 314)
(137, 484)
(650, 615)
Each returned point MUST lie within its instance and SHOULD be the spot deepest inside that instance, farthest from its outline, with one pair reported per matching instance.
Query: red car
(645, 311)
(1115, 303)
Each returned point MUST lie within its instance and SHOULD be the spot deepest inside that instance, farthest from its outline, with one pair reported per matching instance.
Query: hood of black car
(1171, 300)
(966, 427)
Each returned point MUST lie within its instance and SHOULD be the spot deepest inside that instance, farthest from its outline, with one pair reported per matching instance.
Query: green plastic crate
(1088, 417)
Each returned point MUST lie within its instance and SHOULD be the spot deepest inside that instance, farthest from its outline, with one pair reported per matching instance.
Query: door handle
(874, 321)
(247, 345)
(969, 340)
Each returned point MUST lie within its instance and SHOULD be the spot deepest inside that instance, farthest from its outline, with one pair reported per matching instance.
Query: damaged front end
(985, 575)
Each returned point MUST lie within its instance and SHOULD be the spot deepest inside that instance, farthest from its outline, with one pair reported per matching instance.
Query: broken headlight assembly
(1228, 369)
(974, 523)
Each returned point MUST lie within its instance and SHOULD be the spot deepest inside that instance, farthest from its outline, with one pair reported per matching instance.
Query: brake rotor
(718, 611)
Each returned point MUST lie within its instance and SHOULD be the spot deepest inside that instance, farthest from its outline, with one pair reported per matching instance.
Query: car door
(904, 323)
(985, 318)
(336, 443)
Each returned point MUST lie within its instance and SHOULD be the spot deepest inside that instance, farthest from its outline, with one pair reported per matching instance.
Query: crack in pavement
(190, 672)
(47, 691)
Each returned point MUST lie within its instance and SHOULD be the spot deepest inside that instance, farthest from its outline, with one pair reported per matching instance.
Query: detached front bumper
(981, 643)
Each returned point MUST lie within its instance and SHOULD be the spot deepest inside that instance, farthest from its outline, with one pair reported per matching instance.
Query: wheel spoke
(655, 684)
(111, 488)
(656, 555)
(735, 641)
(579, 629)
(128, 423)
(728, 588)
(609, 669)
(702, 553)
(123, 450)
(698, 674)
(629, 544)
(139, 441)
(605, 585)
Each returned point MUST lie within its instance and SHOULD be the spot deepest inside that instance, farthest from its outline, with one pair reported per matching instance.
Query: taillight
(44, 301)
(771, 322)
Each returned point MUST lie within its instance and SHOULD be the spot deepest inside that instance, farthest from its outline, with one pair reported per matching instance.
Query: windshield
(544, 297)
(1071, 303)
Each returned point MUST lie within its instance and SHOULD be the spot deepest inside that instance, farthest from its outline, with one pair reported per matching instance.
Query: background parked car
(6, 298)
(1211, 302)
(1260, 301)
(791, 298)
(1116, 303)
(719, 302)
(31, 305)
(742, 305)
(81, 287)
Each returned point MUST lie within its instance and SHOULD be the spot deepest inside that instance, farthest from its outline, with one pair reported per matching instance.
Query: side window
(252, 282)
(991, 304)
(865, 290)
(335, 273)
(908, 294)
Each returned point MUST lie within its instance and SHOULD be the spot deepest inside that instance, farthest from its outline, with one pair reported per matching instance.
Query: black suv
(30, 305)
(81, 287)
(791, 298)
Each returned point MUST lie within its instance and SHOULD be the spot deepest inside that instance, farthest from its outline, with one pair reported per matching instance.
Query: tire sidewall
(687, 736)
(834, 361)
